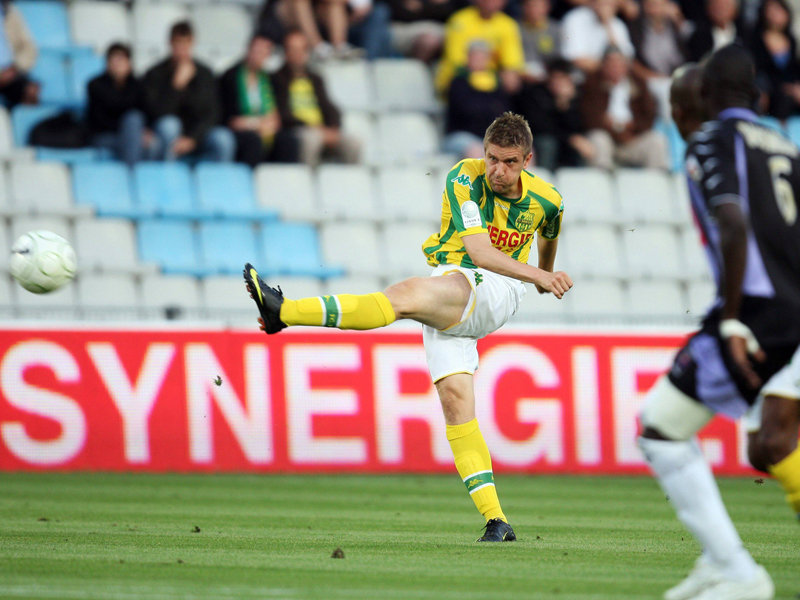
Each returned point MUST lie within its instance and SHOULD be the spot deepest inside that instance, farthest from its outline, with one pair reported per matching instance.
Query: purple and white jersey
(734, 159)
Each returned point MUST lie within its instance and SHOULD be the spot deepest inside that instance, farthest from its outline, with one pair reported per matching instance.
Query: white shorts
(785, 384)
(493, 301)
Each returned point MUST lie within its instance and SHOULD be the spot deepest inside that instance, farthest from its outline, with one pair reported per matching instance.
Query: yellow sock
(787, 472)
(475, 467)
(344, 311)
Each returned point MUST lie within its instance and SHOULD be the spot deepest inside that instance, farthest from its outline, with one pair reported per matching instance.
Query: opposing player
(491, 208)
(743, 179)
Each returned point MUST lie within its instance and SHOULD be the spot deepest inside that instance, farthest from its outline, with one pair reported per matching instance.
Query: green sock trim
(332, 313)
(478, 480)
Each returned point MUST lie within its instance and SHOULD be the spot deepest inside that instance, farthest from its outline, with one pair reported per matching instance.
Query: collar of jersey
(510, 200)
(737, 112)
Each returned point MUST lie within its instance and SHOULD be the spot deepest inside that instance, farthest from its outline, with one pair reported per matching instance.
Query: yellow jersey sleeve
(464, 195)
(551, 226)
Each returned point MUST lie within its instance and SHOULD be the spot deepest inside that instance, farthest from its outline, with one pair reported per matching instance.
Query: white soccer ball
(42, 261)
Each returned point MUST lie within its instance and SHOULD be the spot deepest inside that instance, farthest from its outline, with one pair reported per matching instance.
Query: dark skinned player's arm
(486, 256)
(733, 243)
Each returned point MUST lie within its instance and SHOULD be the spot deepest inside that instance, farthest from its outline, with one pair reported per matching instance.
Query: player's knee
(669, 414)
(455, 400)
(405, 297)
(773, 444)
(754, 454)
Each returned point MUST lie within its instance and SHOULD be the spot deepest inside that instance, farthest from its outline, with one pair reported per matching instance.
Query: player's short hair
(510, 130)
(181, 29)
(729, 77)
(118, 47)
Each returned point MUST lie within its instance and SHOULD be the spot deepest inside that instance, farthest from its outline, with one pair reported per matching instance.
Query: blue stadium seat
(51, 72)
(293, 249)
(793, 129)
(71, 156)
(84, 67)
(227, 190)
(226, 245)
(675, 143)
(24, 118)
(772, 123)
(47, 21)
(165, 188)
(107, 187)
(171, 244)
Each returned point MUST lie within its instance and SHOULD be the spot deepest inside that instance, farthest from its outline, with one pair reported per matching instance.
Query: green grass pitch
(171, 537)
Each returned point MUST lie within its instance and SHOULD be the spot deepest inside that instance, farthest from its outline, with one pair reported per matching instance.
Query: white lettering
(587, 405)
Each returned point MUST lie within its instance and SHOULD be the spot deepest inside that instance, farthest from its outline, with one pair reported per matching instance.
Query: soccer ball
(42, 261)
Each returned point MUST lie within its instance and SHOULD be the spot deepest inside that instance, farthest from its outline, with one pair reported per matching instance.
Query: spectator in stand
(588, 30)
(17, 57)
(484, 21)
(369, 27)
(417, 27)
(249, 109)
(775, 53)
(304, 106)
(475, 99)
(115, 110)
(552, 108)
(540, 37)
(659, 48)
(618, 111)
(181, 99)
(718, 30)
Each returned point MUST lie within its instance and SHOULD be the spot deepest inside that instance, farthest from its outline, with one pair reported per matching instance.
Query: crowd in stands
(591, 76)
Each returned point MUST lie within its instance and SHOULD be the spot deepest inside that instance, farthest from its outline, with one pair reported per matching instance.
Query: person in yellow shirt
(486, 22)
(491, 209)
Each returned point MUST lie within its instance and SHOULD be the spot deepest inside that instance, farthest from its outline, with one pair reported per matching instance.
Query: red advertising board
(306, 400)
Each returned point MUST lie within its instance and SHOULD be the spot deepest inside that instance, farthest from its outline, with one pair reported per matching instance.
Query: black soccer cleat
(497, 530)
(267, 299)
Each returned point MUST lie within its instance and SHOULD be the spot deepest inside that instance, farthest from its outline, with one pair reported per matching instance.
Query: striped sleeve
(553, 212)
(464, 190)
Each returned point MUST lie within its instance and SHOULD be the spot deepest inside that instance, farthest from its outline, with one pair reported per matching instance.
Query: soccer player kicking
(491, 208)
(743, 180)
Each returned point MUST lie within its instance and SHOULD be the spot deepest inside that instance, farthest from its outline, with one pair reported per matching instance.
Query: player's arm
(547, 256)
(484, 255)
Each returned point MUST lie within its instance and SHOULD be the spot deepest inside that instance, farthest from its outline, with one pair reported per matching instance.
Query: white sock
(686, 479)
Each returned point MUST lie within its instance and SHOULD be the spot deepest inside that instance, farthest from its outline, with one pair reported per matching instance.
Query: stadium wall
(308, 401)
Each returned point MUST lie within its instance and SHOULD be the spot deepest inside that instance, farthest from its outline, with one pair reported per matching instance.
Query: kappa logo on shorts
(524, 222)
(478, 279)
(463, 179)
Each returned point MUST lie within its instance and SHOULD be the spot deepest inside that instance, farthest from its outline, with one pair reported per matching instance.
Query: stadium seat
(58, 304)
(354, 284)
(675, 143)
(227, 293)
(345, 192)
(596, 298)
(593, 250)
(289, 189)
(652, 251)
(409, 194)
(106, 186)
(647, 196)
(793, 129)
(171, 244)
(170, 294)
(152, 22)
(165, 188)
(70, 156)
(349, 84)
(361, 125)
(99, 23)
(355, 246)
(226, 190)
(52, 73)
(25, 223)
(298, 287)
(84, 68)
(6, 300)
(701, 294)
(6, 135)
(106, 245)
(695, 257)
(402, 243)
(659, 299)
(6, 206)
(293, 249)
(25, 117)
(42, 187)
(226, 245)
(407, 138)
(772, 123)
(544, 309)
(588, 195)
(109, 290)
(223, 28)
(404, 84)
(5, 243)
(47, 22)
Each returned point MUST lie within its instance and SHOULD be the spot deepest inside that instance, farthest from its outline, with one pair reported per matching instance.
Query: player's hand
(744, 348)
(557, 283)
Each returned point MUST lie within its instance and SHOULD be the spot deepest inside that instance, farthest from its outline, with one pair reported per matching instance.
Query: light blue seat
(24, 118)
(171, 244)
(47, 21)
(293, 249)
(226, 245)
(85, 66)
(165, 188)
(107, 187)
(51, 71)
(675, 143)
(793, 129)
(71, 156)
(227, 190)
(772, 123)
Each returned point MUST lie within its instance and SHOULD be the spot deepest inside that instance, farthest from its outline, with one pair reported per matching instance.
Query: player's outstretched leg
(345, 311)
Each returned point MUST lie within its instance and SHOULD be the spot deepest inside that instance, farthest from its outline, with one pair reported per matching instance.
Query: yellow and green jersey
(470, 206)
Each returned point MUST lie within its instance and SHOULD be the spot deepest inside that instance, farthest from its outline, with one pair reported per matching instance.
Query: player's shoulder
(466, 173)
(706, 139)
(541, 187)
